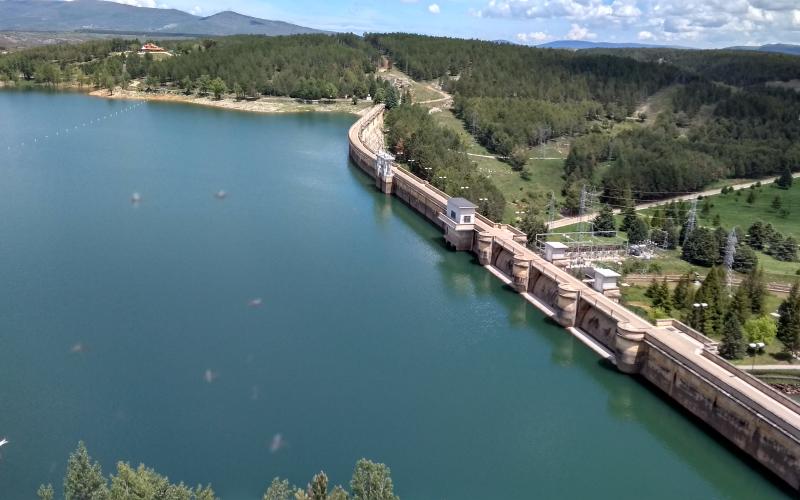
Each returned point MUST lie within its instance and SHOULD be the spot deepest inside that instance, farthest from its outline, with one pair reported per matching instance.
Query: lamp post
(699, 320)
(753, 348)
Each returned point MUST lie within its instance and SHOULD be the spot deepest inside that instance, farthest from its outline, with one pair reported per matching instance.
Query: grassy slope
(545, 174)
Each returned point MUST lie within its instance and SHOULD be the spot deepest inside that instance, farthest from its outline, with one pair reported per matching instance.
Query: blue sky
(699, 23)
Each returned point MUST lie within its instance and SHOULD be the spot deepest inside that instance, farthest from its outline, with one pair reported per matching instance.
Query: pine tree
(662, 299)
(278, 490)
(751, 196)
(757, 235)
(638, 231)
(756, 288)
(604, 222)
(84, 480)
(683, 295)
(789, 321)
(318, 489)
(372, 481)
(740, 304)
(732, 345)
(776, 203)
(785, 180)
(45, 492)
(628, 212)
(712, 293)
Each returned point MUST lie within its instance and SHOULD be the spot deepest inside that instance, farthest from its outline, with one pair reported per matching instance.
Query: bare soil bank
(262, 105)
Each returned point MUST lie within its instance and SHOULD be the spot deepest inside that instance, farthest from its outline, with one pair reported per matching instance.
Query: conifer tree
(604, 220)
(628, 211)
(84, 479)
(785, 180)
(789, 321)
(756, 288)
(732, 345)
(740, 304)
(372, 481)
(683, 295)
(279, 489)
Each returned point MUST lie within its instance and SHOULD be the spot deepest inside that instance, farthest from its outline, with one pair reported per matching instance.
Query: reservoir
(137, 327)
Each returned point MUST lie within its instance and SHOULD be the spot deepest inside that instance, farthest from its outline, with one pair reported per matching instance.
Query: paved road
(568, 221)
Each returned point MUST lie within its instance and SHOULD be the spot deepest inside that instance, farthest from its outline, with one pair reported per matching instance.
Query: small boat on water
(255, 302)
(3, 442)
(220, 195)
(136, 198)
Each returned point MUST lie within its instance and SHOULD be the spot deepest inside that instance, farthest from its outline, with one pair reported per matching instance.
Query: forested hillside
(734, 67)
(308, 66)
(718, 121)
(513, 96)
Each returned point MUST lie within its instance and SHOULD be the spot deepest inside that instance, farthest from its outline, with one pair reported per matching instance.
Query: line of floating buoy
(66, 131)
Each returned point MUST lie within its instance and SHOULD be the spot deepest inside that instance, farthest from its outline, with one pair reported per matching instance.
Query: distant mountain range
(102, 16)
(781, 48)
(583, 44)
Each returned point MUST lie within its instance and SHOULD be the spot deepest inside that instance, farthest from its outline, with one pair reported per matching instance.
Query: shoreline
(264, 105)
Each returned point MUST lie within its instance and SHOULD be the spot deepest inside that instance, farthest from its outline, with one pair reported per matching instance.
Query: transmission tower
(691, 221)
(582, 209)
(730, 253)
(551, 210)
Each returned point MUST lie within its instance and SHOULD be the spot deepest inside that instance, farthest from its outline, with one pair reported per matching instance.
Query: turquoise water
(372, 339)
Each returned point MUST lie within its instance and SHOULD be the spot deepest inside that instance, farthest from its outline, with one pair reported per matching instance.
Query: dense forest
(733, 67)
(720, 120)
(513, 96)
(304, 66)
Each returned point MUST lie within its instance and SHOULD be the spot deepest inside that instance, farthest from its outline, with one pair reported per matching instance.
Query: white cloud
(717, 22)
(578, 32)
(535, 37)
(434, 8)
(577, 10)
(139, 3)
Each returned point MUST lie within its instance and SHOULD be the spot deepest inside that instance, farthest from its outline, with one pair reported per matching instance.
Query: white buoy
(136, 198)
(220, 195)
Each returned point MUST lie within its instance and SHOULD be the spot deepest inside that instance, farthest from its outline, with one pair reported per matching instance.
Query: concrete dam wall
(679, 361)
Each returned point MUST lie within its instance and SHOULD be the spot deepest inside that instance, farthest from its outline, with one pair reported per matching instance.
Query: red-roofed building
(152, 48)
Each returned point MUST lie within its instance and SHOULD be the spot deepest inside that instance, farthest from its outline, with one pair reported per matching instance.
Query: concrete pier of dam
(760, 421)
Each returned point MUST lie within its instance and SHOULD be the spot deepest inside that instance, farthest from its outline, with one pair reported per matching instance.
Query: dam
(130, 326)
(753, 417)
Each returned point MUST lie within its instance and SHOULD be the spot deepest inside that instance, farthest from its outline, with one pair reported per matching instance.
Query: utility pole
(691, 222)
(730, 254)
(551, 210)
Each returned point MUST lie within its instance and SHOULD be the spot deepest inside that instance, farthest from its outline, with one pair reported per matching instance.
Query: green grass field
(545, 174)
(734, 211)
